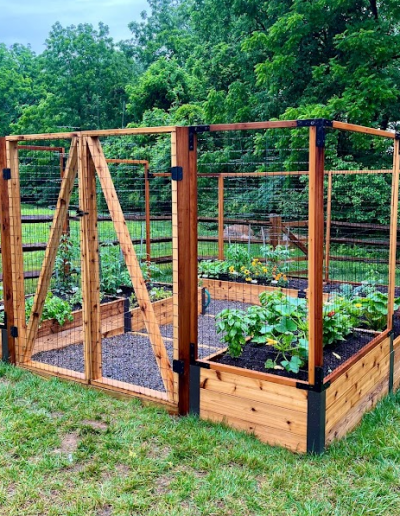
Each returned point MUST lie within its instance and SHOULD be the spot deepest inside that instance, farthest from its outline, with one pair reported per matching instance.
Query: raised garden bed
(283, 410)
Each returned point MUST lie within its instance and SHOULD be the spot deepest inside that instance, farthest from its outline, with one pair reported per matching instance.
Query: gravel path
(129, 357)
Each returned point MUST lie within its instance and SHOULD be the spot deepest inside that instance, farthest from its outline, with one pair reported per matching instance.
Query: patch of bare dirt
(105, 511)
(69, 443)
(97, 425)
(161, 484)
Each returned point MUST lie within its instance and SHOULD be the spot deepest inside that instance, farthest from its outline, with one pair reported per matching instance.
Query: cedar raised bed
(284, 411)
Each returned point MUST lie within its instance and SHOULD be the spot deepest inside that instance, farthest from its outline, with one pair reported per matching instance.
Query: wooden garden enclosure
(183, 198)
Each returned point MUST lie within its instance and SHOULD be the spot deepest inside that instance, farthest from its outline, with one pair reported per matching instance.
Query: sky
(30, 21)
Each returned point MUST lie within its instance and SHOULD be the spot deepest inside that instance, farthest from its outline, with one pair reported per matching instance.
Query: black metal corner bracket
(195, 129)
(6, 174)
(397, 135)
(319, 385)
(321, 124)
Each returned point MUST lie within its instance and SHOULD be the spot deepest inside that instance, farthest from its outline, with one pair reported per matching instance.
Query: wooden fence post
(89, 263)
(315, 253)
(393, 232)
(184, 221)
(17, 276)
(6, 255)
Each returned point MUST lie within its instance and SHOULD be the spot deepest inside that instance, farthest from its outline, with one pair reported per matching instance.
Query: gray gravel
(130, 358)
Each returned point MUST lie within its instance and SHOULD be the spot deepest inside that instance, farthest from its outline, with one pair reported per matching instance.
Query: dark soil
(254, 357)
(129, 357)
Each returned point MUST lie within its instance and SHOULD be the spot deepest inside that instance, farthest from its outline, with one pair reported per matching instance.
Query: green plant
(159, 293)
(234, 325)
(286, 330)
(54, 308)
(336, 324)
(375, 309)
(211, 269)
(150, 270)
(237, 256)
(66, 272)
(114, 272)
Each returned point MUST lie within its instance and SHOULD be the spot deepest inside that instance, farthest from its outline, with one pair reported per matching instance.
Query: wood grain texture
(356, 391)
(255, 407)
(243, 292)
(17, 260)
(132, 263)
(315, 253)
(6, 253)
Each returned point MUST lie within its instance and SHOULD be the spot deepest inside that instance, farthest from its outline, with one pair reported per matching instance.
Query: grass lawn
(67, 450)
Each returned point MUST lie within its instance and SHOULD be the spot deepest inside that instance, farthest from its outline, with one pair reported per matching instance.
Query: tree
(17, 87)
(83, 75)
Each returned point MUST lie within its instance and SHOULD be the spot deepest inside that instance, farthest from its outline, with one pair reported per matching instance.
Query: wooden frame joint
(321, 124)
(195, 129)
(319, 386)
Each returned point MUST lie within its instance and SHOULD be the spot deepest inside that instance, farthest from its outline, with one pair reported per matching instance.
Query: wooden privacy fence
(172, 342)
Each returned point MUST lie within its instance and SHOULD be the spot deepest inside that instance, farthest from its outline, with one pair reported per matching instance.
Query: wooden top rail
(246, 126)
(41, 148)
(361, 129)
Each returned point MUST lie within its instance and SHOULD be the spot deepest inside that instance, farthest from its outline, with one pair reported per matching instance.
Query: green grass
(71, 451)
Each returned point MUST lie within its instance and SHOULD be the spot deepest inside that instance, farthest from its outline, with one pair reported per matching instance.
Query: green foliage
(237, 256)
(375, 309)
(54, 308)
(211, 269)
(234, 325)
(114, 273)
(66, 271)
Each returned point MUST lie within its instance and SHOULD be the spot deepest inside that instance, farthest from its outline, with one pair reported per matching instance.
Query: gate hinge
(176, 173)
(178, 366)
(14, 331)
(6, 174)
(195, 129)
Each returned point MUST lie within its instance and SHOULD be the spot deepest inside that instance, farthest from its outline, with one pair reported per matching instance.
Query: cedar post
(393, 232)
(89, 263)
(16, 252)
(315, 251)
(184, 219)
(9, 350)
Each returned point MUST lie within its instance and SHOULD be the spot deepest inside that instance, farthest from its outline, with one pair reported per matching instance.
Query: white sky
(30, 21)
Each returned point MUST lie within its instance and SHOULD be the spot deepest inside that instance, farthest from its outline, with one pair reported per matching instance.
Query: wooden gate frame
(86, 159)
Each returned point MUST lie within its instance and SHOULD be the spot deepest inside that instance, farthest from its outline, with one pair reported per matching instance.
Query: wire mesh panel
(133, 192)
(359, 221)
(46, 254)
(253, 223)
